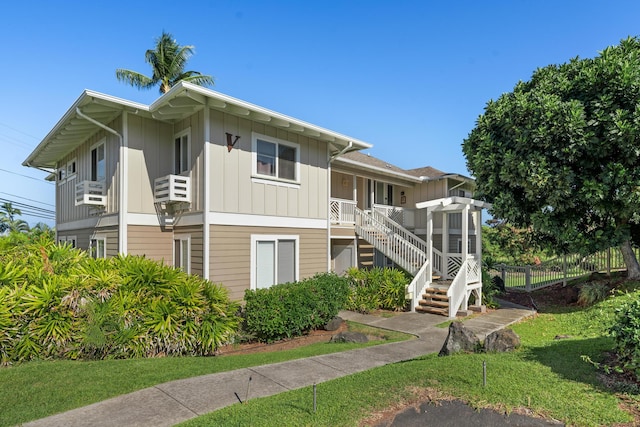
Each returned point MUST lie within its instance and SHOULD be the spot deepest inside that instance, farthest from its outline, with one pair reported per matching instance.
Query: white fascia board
(452, 203)
(184, 86)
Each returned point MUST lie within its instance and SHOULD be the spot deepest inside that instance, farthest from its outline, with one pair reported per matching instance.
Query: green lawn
(37, 389)
(546, 375)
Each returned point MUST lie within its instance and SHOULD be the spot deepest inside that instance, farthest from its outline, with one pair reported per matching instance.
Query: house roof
(369, 162)
(183, 100)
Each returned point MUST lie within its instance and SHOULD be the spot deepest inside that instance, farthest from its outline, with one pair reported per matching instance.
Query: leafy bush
(376, 288)
(626, 334)
(292, 309)
(56, 302)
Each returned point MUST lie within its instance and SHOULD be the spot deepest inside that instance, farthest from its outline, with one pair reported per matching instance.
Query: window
(62, 175)
(181, 253)
(98, 247)
(460, 246)
(69, 240)
(274, 260)
(181, 153)
(98, 163)
(71, 169)
(275, 158)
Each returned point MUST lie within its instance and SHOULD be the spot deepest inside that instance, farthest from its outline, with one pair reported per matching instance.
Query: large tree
(168, 60)
(8, 220)
(561, 153)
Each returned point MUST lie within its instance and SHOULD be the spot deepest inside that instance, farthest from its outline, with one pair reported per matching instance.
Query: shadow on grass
(564, 357)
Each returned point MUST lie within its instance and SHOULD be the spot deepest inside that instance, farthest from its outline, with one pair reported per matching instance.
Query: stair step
(433, 310)
(441, 297)
(433, 303)
(439, 291)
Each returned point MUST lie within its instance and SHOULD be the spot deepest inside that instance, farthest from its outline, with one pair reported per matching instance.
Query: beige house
(248, 197)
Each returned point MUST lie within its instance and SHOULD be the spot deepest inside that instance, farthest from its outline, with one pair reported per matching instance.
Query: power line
(27, 176)
(25, 198)
(19, 131)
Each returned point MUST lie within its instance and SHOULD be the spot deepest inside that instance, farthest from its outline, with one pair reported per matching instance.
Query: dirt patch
(312, 337)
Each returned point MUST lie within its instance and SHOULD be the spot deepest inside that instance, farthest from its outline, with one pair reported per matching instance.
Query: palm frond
(134, 78)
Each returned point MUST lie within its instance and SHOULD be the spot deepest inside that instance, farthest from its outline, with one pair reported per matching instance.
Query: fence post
(609, 262)
(527, 278)
(564, 269)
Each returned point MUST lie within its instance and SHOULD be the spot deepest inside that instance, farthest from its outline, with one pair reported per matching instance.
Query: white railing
(172, 188)
(91, 193)
(342, 211)
(392, 241)
(403, 216)
(437, 261)
(467, 280)
(419, 283)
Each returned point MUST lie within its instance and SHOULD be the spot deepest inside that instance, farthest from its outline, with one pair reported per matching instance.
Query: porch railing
(342, 211)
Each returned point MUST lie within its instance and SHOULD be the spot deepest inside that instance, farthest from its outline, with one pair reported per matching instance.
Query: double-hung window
(274, 158)
(274, 260)
(98, 162)
(181, 153)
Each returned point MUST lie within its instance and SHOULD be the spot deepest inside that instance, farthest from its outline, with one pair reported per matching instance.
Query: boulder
(459, 339)
(348, 336)
(501, 341)
(334, 324)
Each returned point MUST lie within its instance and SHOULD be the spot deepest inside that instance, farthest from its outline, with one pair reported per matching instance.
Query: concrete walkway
(176, 401)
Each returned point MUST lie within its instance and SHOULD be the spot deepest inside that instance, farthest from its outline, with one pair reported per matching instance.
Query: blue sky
(409, 77)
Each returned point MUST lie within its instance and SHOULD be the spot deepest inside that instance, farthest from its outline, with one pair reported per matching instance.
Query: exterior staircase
(410, 253)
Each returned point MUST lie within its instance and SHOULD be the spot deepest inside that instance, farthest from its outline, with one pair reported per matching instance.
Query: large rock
(459, 339)
(334, 324)
(501, 341)
(348, 336)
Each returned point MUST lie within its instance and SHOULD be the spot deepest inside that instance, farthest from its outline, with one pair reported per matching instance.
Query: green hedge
(293, 309)
(626, 333)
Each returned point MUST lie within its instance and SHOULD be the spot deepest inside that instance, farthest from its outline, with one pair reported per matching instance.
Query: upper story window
(181, 152)
(98, 162)
(71, 169)
(275, 158)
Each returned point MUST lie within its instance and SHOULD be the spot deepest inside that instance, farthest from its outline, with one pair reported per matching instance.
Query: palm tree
(167, 61)
(8, 220)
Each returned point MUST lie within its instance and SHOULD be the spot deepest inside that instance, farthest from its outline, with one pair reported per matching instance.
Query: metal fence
(559, 270)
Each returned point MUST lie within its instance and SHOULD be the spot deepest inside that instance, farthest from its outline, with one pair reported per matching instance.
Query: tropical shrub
(592, 292)
(376, 288)
(293, 309)
(626, 333)
(56, 302)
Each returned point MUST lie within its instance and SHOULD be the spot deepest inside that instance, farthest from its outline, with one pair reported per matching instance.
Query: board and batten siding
(232, 189)
(230, 255)
(66, 210)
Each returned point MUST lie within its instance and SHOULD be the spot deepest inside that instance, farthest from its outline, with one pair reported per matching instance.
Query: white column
(430, 244)
(477, 218)
(445, 245)
(465, 253)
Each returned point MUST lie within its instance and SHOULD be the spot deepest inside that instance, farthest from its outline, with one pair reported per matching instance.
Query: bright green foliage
(626, 333)
(292, 309)
(56, 302)
(377, 288)
(561, 152)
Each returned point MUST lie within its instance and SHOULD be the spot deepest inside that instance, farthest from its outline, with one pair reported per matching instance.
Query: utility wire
(25, 198)
(27, 176)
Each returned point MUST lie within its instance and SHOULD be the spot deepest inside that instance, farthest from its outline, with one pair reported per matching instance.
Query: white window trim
(61, 174)
(257, 177)
(255, 238)
(460, 245)
(69, 239)
(180, 134)
(101, 238)
(187, 238)
(102, 142)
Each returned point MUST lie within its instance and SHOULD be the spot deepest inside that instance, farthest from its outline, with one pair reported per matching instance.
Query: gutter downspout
(122, 193)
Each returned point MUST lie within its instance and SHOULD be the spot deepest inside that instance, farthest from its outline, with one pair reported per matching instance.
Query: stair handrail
(399, 229)
(458, 291)
(409, 257)
(419, 283)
